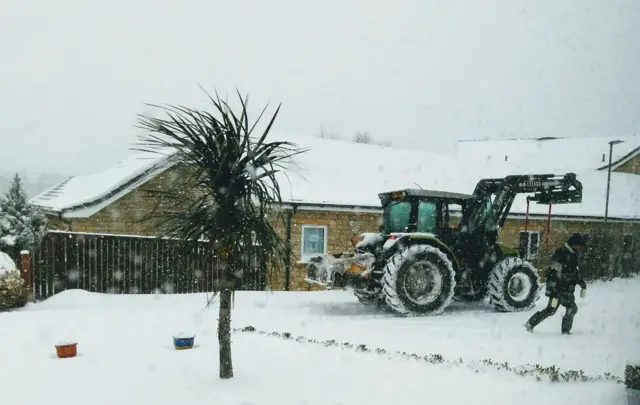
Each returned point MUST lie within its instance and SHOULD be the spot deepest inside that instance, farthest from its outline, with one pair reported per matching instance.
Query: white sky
(74, 73)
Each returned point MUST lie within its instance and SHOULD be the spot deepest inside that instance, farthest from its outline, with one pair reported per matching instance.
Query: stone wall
(632, 166)
(339, 235)
(342, 226)
(559, 232)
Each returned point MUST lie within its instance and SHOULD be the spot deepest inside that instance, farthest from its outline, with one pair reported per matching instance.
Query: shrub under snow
(11, 284)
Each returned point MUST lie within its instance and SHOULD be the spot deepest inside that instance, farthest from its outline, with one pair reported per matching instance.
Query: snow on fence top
(344, 173)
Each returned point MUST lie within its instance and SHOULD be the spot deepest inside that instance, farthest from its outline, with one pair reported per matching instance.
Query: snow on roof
(343, 173)
(624, 198)
(558, 154)
(75, 192)
(346, 173)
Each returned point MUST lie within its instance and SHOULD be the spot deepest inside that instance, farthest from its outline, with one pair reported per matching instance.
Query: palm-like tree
(228, 197)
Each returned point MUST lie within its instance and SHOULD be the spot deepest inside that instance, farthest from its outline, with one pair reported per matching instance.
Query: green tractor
(433, 247)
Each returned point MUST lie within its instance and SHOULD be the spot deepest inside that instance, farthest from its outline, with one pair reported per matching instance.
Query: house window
(314, 241)
(627, 243)
(530, 244)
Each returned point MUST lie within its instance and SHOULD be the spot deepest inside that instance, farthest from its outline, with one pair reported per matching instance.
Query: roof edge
(113, 194)
(614, 165)
(369, 209)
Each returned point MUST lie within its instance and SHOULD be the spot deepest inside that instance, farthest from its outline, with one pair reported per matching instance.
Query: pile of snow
(12, 294)
(7, 265)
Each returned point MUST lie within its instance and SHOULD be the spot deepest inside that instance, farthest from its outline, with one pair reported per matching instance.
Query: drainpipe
(68, 222)
(287, 272)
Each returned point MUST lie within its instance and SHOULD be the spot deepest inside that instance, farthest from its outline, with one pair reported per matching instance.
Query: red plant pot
(67, 350)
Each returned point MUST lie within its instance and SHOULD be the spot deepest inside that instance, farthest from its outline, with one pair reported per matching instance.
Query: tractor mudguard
(396, 240)
(506, 250)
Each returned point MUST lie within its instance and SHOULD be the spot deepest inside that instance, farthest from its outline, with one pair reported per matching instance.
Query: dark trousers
(566, 300)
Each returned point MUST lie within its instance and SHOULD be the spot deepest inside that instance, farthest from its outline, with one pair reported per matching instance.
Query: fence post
(27, 276)
(632, 382)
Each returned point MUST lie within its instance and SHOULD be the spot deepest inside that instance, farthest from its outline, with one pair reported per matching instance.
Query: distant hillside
(33, 183)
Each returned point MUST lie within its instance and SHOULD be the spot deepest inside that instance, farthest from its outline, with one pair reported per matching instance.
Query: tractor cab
(423, 211)
(452, 218)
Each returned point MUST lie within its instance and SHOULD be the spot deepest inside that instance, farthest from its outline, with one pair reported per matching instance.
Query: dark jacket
(563, 274)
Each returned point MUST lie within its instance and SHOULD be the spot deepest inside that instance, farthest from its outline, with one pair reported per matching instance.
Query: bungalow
(330, 193)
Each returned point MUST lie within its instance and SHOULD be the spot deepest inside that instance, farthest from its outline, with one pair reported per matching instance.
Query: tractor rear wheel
(514, 285)
(418, 280)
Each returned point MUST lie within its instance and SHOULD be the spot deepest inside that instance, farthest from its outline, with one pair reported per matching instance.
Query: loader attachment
(340, 270)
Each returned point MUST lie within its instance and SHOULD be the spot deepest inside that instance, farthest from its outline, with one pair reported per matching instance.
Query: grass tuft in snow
(539, 372)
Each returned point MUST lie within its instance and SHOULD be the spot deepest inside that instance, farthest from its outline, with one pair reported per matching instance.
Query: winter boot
(529, 327)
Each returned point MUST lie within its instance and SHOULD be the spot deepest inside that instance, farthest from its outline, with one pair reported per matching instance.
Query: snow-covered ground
(126, 354)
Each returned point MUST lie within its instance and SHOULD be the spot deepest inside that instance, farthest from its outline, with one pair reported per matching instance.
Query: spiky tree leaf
(228, 197)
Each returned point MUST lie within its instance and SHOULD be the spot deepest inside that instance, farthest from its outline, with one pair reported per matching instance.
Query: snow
(542, 156)
(184, 334)
(126, 354)
(318, 176)
(385, 169)
(369, 238)
(395, 237)
(7, 265)
(90, 187)
(8, 240)
(624, 199)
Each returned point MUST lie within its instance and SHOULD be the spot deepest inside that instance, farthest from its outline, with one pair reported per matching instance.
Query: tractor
(433, 247)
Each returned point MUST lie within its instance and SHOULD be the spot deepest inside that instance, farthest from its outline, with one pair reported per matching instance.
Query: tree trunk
(224, 333)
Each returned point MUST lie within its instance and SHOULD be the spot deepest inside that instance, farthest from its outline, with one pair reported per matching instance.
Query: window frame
(527, 254)
(306, 258)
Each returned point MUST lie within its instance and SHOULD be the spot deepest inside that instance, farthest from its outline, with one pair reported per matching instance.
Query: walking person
(562, 278)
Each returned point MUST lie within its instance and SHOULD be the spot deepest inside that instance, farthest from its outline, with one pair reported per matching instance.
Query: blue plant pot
(183, 343)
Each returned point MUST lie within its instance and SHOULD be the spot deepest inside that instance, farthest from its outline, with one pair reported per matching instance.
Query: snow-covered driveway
(126, 354)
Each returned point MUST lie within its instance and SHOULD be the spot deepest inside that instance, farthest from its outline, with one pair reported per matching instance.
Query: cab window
(396, 217)
(427, 215)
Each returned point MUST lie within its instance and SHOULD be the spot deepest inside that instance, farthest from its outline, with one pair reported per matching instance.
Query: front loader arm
(546, 189)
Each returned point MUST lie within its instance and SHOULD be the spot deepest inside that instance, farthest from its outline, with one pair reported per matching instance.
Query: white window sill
(307, 260)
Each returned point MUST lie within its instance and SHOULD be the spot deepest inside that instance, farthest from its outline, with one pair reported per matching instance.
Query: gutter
(377, 210)
(332, 207)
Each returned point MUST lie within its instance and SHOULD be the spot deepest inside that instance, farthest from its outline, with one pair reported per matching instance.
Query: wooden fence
(127, 265)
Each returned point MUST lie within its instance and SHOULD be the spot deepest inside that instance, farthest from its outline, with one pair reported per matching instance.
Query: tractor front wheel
(418, 280)
(514, 285)
(368, 297)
